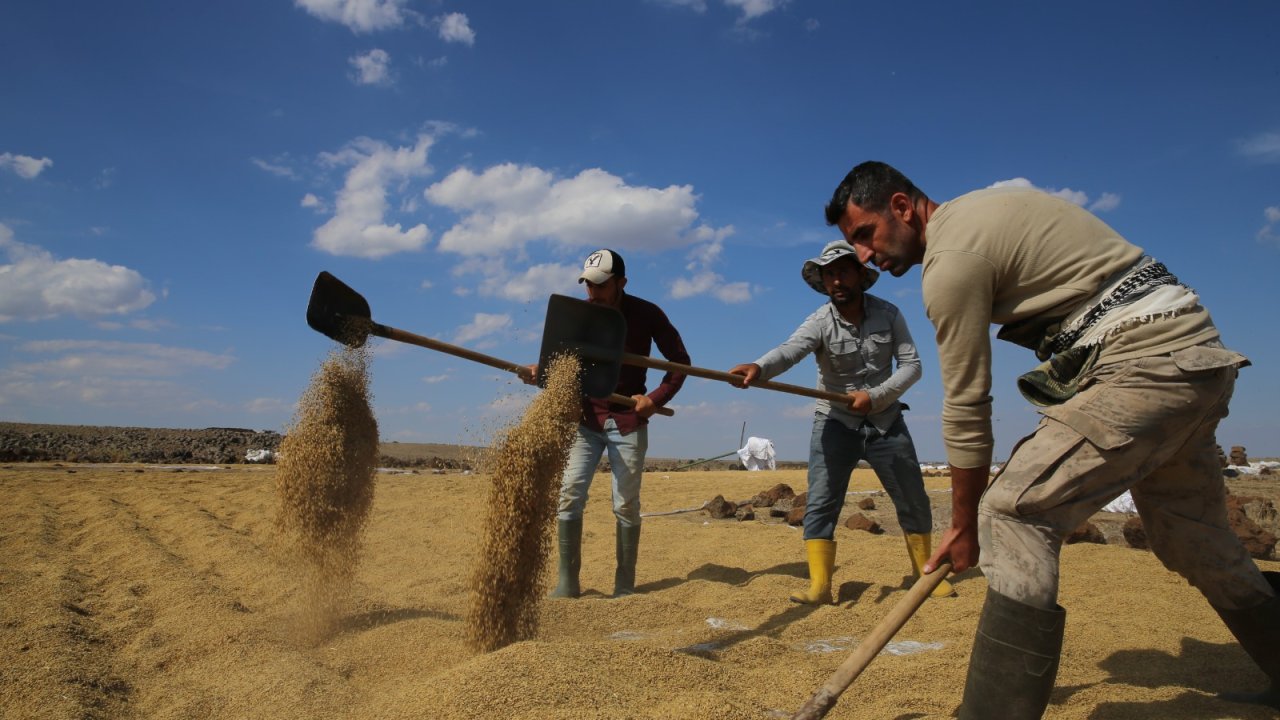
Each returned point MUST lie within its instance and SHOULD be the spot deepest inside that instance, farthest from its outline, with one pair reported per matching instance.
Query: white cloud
(76, 375)
(535, 282)
(455, 27)
(433, 379)
(695, 285)
(710, 283)
(481, 325)
(801, 412)
(507, 206)
(695, 5)
(35, 286)
(144, 324)
(24, 166)
(752, 9)
(413, 409)
(1108, 201)
(311, 201)
(105, 179)
(113, 358)
(372, 68)
(76, 392)
(1264, 147)
(1270, 232)
(268, 406)
(357, 227)
(716, 410)
(708, 253)
(811, 24)
(274, 168)
(703, 280)
(361, 16)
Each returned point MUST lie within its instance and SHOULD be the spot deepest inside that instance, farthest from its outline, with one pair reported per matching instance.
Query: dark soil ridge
(37, 442)
(31, 442)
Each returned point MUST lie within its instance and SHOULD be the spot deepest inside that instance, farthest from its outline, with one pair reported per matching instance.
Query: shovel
(342, 314)
(588, 329)
(826, 696)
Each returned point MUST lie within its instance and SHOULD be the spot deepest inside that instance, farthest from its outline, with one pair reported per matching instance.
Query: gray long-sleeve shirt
(852, 357)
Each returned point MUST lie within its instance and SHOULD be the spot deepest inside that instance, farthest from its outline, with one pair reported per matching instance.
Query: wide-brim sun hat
(836, 249)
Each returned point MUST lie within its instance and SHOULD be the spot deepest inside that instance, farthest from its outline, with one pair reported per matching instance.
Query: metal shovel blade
(595, 333)
(338, 312)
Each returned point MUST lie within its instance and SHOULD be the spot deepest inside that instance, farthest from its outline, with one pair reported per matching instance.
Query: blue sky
(174, 175)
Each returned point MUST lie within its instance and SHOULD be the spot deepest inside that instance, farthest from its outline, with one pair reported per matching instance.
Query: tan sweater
(1003, 255)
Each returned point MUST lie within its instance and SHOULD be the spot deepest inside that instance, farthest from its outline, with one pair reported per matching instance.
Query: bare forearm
(967, 485)
(959, 544)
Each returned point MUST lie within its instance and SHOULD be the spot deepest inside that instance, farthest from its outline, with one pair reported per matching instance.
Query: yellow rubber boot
(822, 560)
(920, 547)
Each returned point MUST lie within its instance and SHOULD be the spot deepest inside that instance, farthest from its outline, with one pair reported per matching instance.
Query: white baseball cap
(602, 265)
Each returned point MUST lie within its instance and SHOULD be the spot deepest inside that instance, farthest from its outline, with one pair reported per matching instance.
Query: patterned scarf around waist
(1144, 293)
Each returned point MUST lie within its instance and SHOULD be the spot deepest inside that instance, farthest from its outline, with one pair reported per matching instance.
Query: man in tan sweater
(1132, 385)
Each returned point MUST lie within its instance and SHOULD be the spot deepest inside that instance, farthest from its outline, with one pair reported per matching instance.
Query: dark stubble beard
(851, 299)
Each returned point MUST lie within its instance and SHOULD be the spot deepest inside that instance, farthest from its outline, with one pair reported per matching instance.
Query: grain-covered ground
(132, 591)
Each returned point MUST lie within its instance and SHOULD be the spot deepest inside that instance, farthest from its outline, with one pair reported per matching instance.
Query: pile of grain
(324, 487)
(528, 460)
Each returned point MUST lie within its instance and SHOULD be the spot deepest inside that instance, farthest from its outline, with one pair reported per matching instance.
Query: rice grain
(529, 457)
(324, 487)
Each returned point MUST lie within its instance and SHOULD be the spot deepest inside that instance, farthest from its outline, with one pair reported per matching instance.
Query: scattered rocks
(867, 504)
(1260, 543)
(1259, 510)
(783, 505)
(720, 509)
(1135, 534)
(858, 521)
(745, 512)
(1249, 518)
(795, 516)
(1238, 455)
(771, 496)
(1086, 533)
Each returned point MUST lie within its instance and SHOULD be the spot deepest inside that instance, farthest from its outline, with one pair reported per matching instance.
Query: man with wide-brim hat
(864, 350)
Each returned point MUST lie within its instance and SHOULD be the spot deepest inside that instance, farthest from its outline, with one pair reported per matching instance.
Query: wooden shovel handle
(403, 336)
(654, 363)
(825, 697)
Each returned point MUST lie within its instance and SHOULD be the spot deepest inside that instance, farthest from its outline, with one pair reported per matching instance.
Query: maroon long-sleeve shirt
(646, 325)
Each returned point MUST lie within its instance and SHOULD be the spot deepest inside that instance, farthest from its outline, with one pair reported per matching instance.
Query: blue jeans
(834, 451)
(626, 458)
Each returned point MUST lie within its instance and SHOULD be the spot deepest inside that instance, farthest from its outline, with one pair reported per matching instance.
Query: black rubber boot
(624, 578)
(1014, 661)
(570, 533)
(1258, 630)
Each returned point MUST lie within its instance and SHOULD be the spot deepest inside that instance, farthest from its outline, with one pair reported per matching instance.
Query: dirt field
(131, 591)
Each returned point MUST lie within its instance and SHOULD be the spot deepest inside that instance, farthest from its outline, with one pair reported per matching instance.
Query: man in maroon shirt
(622, 431)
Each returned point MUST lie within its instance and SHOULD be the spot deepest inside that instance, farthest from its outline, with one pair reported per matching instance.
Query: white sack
(758, 454)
